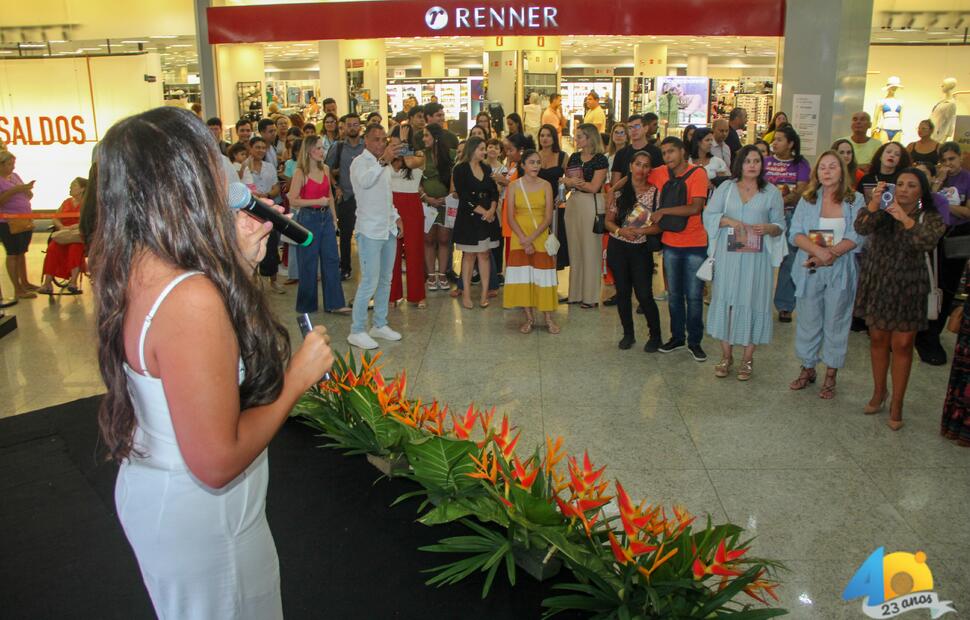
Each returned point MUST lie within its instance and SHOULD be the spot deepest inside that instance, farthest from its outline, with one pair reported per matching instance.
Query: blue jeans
(785, 288)
(685, 289)
(323, 253)
(376, 257)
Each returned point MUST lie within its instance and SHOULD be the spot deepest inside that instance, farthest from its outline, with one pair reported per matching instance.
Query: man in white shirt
(595, 114)
(378, 229)
(720, 129)
(532, 116)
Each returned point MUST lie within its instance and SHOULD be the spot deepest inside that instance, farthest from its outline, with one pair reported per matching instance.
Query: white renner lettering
(549, 16)
(481, 17)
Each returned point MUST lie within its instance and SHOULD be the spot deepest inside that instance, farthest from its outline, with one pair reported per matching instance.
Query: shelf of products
(250, 100)
(643, 96)
(292, 95)
(758, 107)
(455, 94)
(574, 91)
(188, 93)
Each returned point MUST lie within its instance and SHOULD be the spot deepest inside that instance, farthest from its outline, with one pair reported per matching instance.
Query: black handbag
(674, 194)
(956, 247)
(599, 219)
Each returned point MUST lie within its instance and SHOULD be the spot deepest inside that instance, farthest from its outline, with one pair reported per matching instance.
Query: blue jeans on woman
(785, 288)
(685, 300)
(321, 253)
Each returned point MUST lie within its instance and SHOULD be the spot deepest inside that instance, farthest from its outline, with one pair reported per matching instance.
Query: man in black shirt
(637, 128)
(215, 126)
(411, 133)
(737, 120)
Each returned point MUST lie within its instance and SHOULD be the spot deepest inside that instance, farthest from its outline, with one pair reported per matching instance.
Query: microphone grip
(281, 224)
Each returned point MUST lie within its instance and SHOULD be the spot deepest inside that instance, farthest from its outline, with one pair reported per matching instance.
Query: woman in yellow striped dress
(530, 274)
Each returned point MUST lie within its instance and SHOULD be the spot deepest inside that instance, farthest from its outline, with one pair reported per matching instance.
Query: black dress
(553, 175)
(472, 233)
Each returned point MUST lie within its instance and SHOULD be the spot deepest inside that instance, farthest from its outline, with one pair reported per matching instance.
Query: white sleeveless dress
(204, 553)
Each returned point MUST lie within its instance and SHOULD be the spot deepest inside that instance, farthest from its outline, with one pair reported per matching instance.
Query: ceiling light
(134, 41)
(181, 45)
(57, 41)
(163, 36)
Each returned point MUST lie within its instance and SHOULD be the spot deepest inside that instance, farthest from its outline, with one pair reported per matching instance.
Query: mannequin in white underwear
(944, 113)
(889, 112)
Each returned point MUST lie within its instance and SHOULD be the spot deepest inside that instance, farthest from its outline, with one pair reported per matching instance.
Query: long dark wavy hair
(161, 190)
(737, 165)
(628, 194)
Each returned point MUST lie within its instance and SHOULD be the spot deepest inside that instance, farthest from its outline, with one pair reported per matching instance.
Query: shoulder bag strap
(528, 203)
(931, 267)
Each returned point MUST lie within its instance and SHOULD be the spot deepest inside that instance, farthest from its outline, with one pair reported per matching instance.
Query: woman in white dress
(196, 370)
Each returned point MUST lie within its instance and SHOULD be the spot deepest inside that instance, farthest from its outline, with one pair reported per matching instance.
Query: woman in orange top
(65, 260)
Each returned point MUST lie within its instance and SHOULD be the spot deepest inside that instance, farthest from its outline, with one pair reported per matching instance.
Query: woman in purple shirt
(787, 170)
(15, 198)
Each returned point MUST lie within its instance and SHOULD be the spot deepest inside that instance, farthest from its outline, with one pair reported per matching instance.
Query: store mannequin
(888, 118)
(667, 106)
(944, 114)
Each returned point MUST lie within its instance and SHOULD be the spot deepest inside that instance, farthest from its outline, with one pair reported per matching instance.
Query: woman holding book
(824, 270)
(745, 222)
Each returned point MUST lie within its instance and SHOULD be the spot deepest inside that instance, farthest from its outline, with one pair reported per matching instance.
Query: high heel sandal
(745, 370)
(722, 368)
(805, 376)
(894, 424)
(873, 410)
(828, 386)
(431, 282)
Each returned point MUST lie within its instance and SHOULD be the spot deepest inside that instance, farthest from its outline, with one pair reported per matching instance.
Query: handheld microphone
(239, 197)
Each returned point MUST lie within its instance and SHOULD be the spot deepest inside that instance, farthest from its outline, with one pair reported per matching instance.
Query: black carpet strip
(344, 553)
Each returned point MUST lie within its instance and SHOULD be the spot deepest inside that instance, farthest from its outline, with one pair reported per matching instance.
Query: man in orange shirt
(685, 250)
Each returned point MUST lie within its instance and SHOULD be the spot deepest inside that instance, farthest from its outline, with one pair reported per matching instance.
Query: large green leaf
(484, 508)
(388, 431)
(536, 510)
(442, 464)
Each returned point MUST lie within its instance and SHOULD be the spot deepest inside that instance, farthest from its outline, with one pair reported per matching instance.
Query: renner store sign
(407, 18)
(481, 17)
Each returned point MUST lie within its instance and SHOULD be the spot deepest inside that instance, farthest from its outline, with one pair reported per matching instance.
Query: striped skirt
(530, 281)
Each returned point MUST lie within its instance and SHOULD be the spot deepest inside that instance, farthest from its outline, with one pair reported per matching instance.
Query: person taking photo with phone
(894, 282)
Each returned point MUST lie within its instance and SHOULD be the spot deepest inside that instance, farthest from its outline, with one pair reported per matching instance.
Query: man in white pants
(378, 228)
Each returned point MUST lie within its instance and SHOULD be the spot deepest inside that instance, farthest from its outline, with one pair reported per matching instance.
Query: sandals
(483, 303)
(553, 328)
(722, 368)
(345, 311)
(526, 328)
(421, 305)
(443, 284)
(49, 290)
(431, 282)
(468, 305)
(745, 370)
(805, 376)
(73, 290)
(586, 306)
(828, 386)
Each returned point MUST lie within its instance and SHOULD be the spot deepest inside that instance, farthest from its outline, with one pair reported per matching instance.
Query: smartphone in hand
(306, 326)
(888, 196)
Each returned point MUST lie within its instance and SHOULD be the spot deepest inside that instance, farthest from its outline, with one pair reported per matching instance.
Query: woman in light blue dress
(745, 222)
(824, 271)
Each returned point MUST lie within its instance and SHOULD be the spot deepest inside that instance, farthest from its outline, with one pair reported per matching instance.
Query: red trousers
(412, 216)
(61, 259)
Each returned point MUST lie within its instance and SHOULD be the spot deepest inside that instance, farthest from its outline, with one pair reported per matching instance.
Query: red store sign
(406, 18)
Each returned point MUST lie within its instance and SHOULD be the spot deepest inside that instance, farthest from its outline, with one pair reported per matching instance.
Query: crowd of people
(866, 236)
(863, 238)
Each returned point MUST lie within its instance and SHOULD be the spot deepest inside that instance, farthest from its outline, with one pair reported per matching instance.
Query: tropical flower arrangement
(538, 511)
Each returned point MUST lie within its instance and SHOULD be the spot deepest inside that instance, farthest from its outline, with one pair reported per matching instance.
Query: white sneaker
(384, 332)
(362, 341)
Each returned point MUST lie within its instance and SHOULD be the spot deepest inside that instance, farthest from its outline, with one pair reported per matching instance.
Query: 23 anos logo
(436, 18)
(894, 584)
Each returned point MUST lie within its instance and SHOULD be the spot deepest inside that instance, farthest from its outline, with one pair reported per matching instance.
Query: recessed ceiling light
(135, 41)
(163, 36)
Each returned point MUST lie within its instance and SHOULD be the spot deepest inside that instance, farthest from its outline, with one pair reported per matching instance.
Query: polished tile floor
(819, 484)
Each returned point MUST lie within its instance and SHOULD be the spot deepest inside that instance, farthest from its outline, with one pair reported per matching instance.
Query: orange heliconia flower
(523, 477)
(502, 439)
(486, 467)
(462, 427)
(553, 454)
(720, 565)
